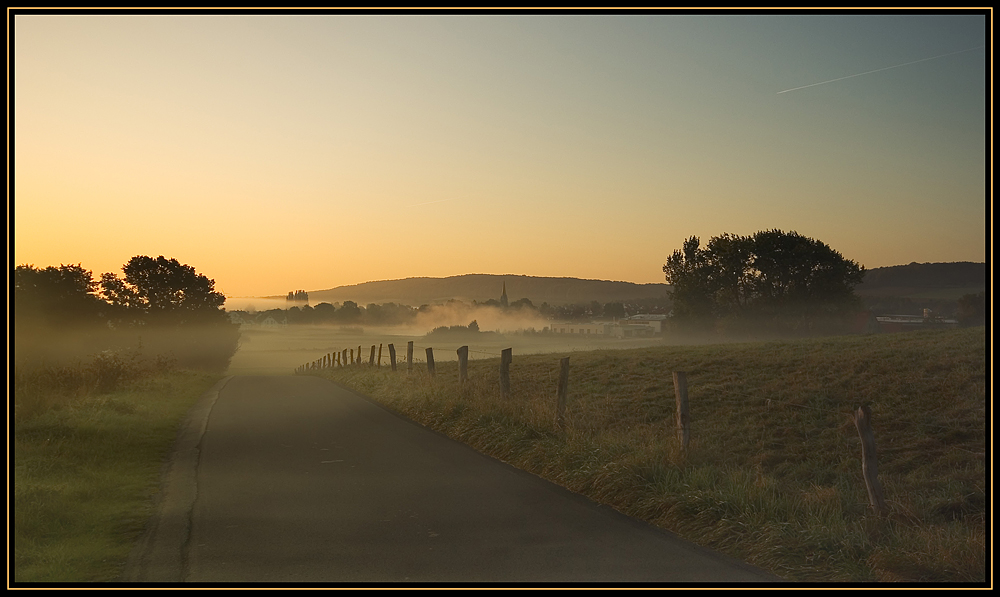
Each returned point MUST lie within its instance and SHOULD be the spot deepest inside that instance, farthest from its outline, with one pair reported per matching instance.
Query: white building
(583, 329)
(655, 323)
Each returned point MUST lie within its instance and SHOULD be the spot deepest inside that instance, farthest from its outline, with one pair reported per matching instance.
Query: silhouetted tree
(58, 295)
(615, 310)
(522, 303)
(324, 312)
(772, 276)
(972, 309)
(163, 290)
(349, 312)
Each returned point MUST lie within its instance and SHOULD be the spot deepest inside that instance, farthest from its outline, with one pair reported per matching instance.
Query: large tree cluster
(772, 277)
(151, 291)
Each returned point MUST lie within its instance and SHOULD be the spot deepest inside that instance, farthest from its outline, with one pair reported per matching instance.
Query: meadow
(88, 445)
(92, 420)
(773, 472)
(280, 349)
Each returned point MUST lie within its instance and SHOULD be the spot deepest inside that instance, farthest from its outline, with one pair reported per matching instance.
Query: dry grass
(773, 473)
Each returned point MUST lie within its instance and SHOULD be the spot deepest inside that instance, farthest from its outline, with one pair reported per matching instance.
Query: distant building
(655, 323)
(636, 326)
(503, 296)
(904, 323)
(270, 321)
(599, 329)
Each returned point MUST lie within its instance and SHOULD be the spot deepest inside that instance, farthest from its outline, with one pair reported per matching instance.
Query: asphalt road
(294, 479)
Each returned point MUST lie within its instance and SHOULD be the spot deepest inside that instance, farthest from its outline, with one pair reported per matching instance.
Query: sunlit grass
(86, 466)
(773, 472)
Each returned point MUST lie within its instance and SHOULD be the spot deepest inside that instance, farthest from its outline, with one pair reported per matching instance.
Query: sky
(300, 151)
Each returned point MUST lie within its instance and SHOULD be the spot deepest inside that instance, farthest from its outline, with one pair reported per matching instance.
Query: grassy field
(88, 444)
(773, 471)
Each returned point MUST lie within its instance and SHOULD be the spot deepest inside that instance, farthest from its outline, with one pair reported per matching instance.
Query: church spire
(503, 295)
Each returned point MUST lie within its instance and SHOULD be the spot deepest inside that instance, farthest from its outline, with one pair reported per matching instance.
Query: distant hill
(483, 287)
(947, 281)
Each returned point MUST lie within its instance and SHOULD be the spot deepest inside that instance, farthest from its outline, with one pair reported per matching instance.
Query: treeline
(351, 313)
(163, 306)
(926, 275)
(461, 332)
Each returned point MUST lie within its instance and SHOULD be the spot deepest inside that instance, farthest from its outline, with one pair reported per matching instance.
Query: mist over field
(280, 349)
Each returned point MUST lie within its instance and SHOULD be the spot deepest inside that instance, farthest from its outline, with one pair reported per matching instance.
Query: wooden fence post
(371, 357)
(506, 355)
(869, 462)
(359, 355)
(352, 356)
(463, 364)
(561, 396)
(378, 363)
(409, 356)
(392, 356)
(430, 361)
(683, 418)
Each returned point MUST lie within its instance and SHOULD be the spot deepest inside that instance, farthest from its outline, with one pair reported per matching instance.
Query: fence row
(347, 357)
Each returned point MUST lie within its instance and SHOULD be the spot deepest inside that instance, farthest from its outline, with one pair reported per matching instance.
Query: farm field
(279, 350)
(773, 471)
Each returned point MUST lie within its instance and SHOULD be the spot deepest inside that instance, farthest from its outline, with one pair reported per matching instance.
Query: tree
(59, 295)
(972, 309)
(324, 312)
(771, 277)
(349, 312)
(163, 290)
(614, 310)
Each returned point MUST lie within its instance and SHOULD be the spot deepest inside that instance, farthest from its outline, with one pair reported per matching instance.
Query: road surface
(295, 479)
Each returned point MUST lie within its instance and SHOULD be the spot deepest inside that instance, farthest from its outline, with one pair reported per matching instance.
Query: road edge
(160, 554)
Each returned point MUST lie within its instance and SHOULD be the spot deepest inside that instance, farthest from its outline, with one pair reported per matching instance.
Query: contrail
(429, 202)
(881, 69)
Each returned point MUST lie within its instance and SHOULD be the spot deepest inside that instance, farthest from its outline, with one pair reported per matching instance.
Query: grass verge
(87, 458)
(773, 472)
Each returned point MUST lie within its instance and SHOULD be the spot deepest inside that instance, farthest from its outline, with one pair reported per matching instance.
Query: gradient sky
(275, 153)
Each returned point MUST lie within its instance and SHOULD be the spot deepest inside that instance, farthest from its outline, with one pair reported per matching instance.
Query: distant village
(610, 320)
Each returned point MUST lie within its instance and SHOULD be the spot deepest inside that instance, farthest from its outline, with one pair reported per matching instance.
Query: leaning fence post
(352, 356)
(371, 358)
(463, 364)
(430, 361)
(683, 418)
(869, 462)
(561, 396)
(409, 356)
(379, 362)
(392, 356)
(506, 355)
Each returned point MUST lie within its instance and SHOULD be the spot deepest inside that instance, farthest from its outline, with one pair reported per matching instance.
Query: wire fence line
(383, 358)
(859, 415)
